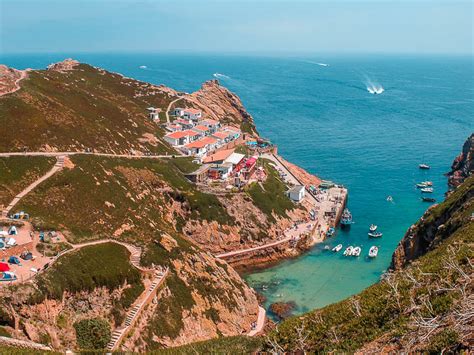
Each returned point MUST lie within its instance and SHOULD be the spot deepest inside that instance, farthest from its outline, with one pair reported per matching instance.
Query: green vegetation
(106, 196)
(78, 109)
(4, 333)
(87, 268)
(52, 249)
(16, 173)
(270, 196)
(93, 333)
(224, 345)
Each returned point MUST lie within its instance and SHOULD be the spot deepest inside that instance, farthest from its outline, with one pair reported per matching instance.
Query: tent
(12, 231)
(7, 276)
(14, 260)
(26, 255)
(4, 267)
(2, 244)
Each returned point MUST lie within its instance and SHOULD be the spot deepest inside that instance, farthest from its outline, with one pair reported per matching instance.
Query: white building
(192, 114)
(296, 193)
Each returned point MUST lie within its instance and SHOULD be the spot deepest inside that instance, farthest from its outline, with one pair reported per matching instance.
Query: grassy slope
(227, 345)
(78, 109)
(87, 268)
(16, 173)
(100, 195)
(272, 198)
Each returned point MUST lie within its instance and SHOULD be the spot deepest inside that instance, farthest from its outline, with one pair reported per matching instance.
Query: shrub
(92, 333)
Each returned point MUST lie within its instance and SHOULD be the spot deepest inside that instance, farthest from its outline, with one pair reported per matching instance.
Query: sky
(237, 26)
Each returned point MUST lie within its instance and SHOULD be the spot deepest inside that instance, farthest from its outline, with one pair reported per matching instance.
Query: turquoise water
(324, 119)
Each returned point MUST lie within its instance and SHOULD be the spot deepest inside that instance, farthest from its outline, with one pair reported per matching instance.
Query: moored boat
(372, 228)
(373, 251)
(421, 185)
(349, 250)
(427, 190)
(427, 183)
(428, 199)
(375, 234)
(346, 219)
(424, 166)
(356, 251)
(327, 247)
(330, 232)
(337, 248)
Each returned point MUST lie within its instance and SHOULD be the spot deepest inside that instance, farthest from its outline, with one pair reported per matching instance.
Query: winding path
(249, 250)
(58, 166)
(169, 108)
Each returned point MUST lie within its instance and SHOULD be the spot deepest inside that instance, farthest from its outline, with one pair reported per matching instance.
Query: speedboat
(375, 234)
(372, 228)
(373, 251)
(424, 166)
(337, 248)
(349, 250)
(427, 183)
(428, 199)
(330, 232)
(427, 190)
(346, 219)
(356, 251)
(421, 185)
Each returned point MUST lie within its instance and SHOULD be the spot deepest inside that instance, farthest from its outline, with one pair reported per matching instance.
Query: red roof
(220, 155)
(4, 267)
(202, 128)
(220, 135)
(182, 134)
(201, 143)
(210, 122)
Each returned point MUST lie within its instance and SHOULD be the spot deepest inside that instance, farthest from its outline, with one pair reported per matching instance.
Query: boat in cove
(337, 248)
(375, 234)
(373, 251)
(428, 199)
(372, 228)
(427, 190)
(346, 219)
(349, 250)
(424, 166)
(356, 251)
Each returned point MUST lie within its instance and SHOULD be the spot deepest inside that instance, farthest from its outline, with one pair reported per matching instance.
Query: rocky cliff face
(437, 224)
(223, 105)
(463, 165)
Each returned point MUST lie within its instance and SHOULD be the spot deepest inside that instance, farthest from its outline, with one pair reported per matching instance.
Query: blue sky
(383, 26)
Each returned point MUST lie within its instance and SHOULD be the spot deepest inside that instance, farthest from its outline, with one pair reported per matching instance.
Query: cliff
(463, 165)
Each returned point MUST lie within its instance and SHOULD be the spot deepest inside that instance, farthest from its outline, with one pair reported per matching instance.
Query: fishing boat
(337, 248)
(427, 190)
(373, 251)
(424, 166)
(428, 199)
(330, 232)
(356, 251)
(372, 228)
(375, 234)
(346, 219)
(349, 250)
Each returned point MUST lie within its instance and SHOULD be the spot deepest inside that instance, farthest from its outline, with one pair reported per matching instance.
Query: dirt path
(57, 154)
(58, 166)
(260, 322)
(23, 75)
(169, 108)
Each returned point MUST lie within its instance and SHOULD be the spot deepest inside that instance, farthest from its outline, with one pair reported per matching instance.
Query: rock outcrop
(463, 165)
(65, 65)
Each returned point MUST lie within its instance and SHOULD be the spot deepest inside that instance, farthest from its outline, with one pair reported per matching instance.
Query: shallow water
(324, 119)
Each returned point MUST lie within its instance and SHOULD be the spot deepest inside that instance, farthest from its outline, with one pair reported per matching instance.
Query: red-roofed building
(192, 114)
(181, 137)
(200, 147)
(212, 124)
(205, 131)
(218, 157)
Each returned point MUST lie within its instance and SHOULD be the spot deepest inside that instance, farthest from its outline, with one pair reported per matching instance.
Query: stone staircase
(145, 298)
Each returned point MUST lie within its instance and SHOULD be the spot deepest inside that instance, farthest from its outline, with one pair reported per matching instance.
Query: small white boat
(327, 247)
(424, 166)
(143, 67)
(348, 251)
(427, 190)
(421, 185)
(375, 234)
(356, 251)
(337, 248)
(373, 228)
(373, 251)
(427, 183)
(389, 198)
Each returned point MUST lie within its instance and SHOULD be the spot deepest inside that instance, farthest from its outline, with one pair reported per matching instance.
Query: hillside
(114, 229)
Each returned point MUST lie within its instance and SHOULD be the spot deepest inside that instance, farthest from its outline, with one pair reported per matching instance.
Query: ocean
(320, 112)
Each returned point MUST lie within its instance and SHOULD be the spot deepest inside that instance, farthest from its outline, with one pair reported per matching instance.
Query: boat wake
(373, 87)
(220, 76)
(316, 63)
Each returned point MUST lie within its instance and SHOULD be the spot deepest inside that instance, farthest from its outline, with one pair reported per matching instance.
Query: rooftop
(182, 134)
(220, 155)
(202, 128)
(201, 143)
(235, 158)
